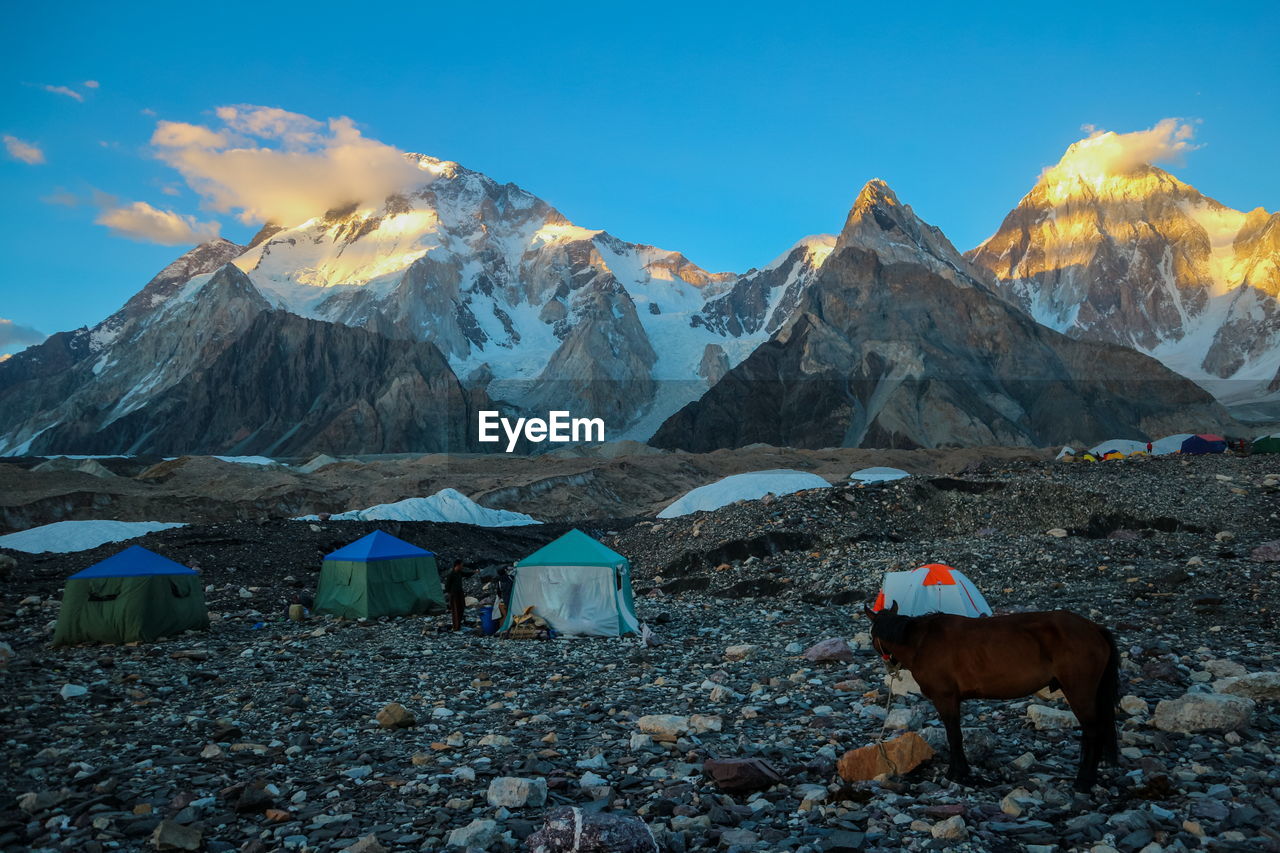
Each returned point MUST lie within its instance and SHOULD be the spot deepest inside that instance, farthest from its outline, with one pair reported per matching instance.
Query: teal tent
(379, 575)
(133, 596)
(578, 585)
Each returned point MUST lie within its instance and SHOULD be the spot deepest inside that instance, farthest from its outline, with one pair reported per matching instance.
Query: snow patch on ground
(66, 536)
(878, 474)
(446, 505)
(743, 487)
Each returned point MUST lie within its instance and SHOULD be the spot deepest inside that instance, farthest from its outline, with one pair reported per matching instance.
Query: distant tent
(379, 575)
(1205, 443)
(1065, 452)
(578, 585)
(1267, 444)
(1113, 454)
(1123, 446)
(878, 474)
(133, 596)
(1169, 444)
(932, 588)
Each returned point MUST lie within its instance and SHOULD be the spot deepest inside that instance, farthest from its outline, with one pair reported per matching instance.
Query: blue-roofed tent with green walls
(379, 575)
(133, 596)
(578, 585)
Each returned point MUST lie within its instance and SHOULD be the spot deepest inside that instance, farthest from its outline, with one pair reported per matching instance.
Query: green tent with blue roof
(579, 586)
(133, 596)
(1267, 443)
(379, 575)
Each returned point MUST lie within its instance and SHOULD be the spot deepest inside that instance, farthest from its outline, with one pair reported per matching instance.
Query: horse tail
(1107, 697)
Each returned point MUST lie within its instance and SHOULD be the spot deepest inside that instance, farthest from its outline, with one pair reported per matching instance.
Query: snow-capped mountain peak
(1128, 253)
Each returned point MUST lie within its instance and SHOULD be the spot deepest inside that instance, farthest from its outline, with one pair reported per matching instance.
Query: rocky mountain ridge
(535, 313)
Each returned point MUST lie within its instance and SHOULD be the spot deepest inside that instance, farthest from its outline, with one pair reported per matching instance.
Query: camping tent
(1169, 444)
(1065, 452)
(578, 586)
(379, 575)
(1204, 443)
(133, 596)
(932, 588)
(878, 474)
(1123, 446)
(1267, 443)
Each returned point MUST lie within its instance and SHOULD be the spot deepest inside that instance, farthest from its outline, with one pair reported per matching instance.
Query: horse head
(887, 625)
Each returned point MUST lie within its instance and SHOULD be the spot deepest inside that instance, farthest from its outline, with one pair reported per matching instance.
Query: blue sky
(726, 131)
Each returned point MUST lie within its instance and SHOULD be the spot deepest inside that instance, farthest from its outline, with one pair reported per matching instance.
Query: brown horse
(954, 658)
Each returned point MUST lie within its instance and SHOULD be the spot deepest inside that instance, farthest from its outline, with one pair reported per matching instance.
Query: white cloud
(1106, 153)
(269, 165)
(91, 84)
(144, 223)
(13, 335)
(27, 152)
(63, 90)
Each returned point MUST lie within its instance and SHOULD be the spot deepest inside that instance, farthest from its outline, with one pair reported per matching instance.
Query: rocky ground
(613, 480)
(265, 734)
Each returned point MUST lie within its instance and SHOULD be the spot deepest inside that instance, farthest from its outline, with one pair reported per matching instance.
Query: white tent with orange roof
(932, 588)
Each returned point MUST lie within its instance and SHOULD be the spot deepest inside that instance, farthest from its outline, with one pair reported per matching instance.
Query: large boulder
(832, 649)
(1046, 718)
(515, 793)
(571, 830)
(1260, 686)
(741, 775)
(898, 756)
(664, 727)
(1203, 712)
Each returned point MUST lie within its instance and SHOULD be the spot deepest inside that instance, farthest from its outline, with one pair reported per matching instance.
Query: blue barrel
(488, 624)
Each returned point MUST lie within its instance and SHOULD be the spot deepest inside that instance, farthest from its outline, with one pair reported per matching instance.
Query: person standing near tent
(505, 583)
(456, 593)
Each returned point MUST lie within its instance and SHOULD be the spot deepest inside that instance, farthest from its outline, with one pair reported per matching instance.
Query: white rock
(902, 718)
(1263, 686)
(903, 684)
(1202, 712)
(664, 726)
(703, 723)
(1048, 719)
(72, 691)
(479, 833)
(1057, 532)
(742, 652)
(951, 829)
(1224, 668)
(1134, 705)
(516, 793)
(592, 780)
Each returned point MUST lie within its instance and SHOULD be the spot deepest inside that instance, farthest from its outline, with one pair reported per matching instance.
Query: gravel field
(264, 734)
